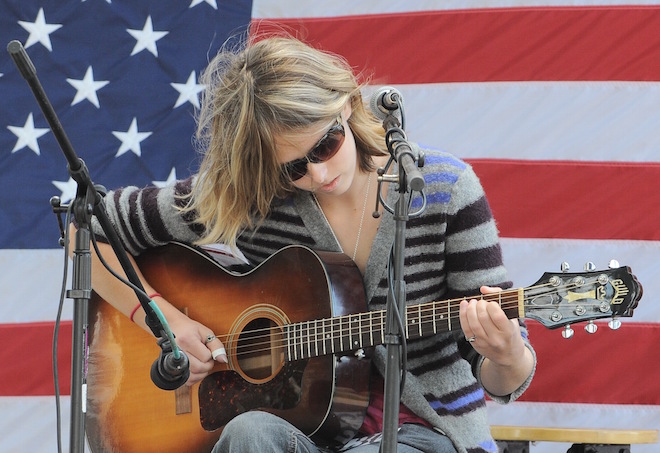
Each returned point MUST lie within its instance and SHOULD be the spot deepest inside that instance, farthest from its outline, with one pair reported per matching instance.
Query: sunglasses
(322, 151)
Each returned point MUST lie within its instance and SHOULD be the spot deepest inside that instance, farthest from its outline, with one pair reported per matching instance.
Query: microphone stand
(408, 178)
(87, 203)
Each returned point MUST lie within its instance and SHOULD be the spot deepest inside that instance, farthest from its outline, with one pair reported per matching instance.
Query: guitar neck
(353, 332)
(556, 300)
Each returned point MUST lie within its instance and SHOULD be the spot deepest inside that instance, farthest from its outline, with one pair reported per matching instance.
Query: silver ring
(471, 339)
(209, 338)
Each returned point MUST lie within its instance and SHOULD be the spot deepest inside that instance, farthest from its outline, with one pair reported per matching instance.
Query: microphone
(385, 101)
(169, 372)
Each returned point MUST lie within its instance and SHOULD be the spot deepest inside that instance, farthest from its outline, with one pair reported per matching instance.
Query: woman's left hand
(490, 331)
(508, 362)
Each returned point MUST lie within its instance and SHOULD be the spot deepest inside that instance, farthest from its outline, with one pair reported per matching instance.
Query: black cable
(56, 330)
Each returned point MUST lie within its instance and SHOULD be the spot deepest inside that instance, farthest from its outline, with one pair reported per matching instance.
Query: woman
(290, 157)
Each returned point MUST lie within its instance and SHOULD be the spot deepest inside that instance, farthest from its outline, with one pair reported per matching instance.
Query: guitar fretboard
(352, 332)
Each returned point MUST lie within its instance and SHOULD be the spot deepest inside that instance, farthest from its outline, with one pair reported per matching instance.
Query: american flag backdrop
(556, 104)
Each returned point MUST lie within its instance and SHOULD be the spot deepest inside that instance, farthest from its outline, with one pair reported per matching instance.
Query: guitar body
(325, 396)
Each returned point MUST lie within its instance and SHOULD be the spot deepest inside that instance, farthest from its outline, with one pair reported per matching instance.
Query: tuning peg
(614, 323)
(567, 332)
(589, 266)
(614, 264)
(565, 267)
(591, 327)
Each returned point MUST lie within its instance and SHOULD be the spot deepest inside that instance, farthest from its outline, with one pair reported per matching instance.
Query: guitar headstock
(561, 299)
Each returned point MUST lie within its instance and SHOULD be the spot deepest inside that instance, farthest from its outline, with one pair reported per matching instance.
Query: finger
(462, 315)
(490, 289)
(498, 318)
(199, 369)
(470, 321)
(217, 349)
(478, 318)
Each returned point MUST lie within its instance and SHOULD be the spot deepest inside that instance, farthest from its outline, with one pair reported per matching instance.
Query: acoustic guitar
(298, 337)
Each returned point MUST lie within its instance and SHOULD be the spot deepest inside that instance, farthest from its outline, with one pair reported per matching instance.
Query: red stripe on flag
(608, 367)
(531, 44)
(572, 200)
(599, 368)
(28, 363)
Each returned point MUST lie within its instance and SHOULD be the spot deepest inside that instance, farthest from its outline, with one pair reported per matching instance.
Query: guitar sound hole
(260, 352)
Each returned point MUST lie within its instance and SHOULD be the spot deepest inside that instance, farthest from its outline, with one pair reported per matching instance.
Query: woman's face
(332, 177)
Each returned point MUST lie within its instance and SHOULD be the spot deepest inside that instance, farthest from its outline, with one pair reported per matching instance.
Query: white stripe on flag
(584, 121)
(35, 275)
(528, 259)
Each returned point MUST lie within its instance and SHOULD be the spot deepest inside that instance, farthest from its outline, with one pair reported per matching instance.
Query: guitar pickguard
(228, 389)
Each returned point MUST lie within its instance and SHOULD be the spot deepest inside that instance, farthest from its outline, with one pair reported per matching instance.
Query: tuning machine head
(591, 327)
(614, 323)
(568, 332)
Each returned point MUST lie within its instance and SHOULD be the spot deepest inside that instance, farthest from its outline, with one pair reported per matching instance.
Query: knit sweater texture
(451, 250)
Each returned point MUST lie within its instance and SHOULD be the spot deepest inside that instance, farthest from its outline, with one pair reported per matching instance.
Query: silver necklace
(364, 208)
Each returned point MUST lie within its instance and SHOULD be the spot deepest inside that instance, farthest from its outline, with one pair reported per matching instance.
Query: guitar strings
(307, 333)
(342, 325)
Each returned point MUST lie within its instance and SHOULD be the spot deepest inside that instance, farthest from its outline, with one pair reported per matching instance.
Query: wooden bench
(517, 439)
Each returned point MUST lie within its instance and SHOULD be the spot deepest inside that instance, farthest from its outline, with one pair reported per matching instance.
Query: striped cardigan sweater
(450, 251)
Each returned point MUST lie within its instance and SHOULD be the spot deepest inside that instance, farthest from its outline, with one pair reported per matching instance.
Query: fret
(287, 341)
(411, 320)
(360, 331)
(349, 324)
(307, 341)
(448, 316)
(405, 323)
(325, 336)
(341, 334)
(371, 328)
(427, 319)
(295, 344)
(316, 338)
(336, 335)
(442, 321)
(299, 343)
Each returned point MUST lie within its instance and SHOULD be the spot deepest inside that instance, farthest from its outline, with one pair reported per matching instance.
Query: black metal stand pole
(408, 177)
(86, 204)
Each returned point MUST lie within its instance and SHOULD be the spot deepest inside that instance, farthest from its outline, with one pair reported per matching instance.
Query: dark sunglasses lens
(328, 147)
(297, 170)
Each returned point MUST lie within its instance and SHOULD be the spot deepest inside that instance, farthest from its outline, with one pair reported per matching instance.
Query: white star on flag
(130, 140)
(170, 179)
(68, 189)
(39, 30)
(27, 135)
(87, 88)
(210, 2)
(189, 91)
(146, 38)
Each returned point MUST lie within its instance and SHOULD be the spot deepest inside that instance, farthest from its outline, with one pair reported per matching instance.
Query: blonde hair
(272, 87)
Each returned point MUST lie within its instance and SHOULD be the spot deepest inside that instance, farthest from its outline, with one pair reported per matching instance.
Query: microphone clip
(171, 370)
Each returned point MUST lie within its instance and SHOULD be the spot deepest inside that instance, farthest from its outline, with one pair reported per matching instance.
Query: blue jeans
(266, 433)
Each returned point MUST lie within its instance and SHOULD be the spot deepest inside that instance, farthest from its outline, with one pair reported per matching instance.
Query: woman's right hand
(200, 345)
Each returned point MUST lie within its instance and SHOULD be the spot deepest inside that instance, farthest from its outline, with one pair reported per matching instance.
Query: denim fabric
(262, 432)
